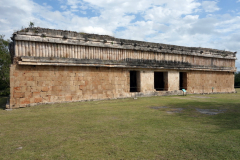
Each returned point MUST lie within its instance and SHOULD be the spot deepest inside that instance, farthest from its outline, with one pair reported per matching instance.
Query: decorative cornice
(130, 63)
(85, 39)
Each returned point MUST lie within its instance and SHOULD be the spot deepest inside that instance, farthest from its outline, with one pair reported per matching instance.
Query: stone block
(24, 101)
(35, 74)
(30, 78)
(73, 88)
(19, 95)
(65, 88)
(14, 106)
(70, 83)
(21, 83)
(81, 87)
(15, 74)
(48, 83)
(94, 96)
(56, 88)
(40, 83)
(43, 79)
(54, 98)
(28, 95)
(80, 78)
(33, 89)
(45, 89)
(68, 98)
(75, 98)
(36, 94)
(61, 93)
(79, 92)
(49, 93)
(28, 74)
(12, 101)
(25, 89)
(38, 100)
(57, 83)
(46, 99)
(43, 74)
(31, 83)
(43, 94)
(17, 89)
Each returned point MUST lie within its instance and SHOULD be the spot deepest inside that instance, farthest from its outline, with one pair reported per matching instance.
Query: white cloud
(96, 30)
(161, 21)
(210, 6)
(64, 7)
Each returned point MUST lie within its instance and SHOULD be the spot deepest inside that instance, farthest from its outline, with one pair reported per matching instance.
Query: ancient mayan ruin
(53, 66)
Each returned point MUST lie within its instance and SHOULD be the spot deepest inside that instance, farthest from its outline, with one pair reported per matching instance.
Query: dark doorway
(134, 81)
(159, 81)
(183, 80)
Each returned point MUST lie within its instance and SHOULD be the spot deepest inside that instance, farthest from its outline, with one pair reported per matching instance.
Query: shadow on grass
(3, 101)
(228, 120)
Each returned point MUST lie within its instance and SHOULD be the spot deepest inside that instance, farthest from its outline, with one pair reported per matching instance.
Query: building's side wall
(46, 84)
(208, 82)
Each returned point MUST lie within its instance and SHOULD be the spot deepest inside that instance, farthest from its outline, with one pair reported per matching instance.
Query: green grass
(124, 129)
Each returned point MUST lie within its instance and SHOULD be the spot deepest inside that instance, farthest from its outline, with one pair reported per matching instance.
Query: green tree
(237, 79)
(31, 24)
(5, 61)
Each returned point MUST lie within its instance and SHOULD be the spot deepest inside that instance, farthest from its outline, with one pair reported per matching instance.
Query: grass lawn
(146, 128)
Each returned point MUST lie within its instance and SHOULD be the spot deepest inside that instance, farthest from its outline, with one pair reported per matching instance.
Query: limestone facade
(54, 66)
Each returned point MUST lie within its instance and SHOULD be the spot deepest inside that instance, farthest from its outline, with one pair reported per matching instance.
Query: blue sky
(193, 23)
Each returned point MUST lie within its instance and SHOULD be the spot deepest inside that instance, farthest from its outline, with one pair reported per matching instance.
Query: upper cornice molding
(74, 38)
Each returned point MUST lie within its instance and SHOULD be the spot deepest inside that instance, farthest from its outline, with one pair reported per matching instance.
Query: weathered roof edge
(64, 34)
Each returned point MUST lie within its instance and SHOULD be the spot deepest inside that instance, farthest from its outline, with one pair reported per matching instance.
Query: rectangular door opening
(134, 81)
(182, 80)
(159, 83)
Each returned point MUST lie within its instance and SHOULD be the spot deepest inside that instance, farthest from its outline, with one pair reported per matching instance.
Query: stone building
(50, 66)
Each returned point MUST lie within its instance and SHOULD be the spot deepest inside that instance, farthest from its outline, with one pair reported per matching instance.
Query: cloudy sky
(193, 23)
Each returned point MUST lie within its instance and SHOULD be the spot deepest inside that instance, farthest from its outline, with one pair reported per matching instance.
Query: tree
(5, 61)
(31, 24)
(237, 79)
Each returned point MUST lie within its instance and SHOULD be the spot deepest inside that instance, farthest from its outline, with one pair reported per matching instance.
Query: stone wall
(47, 84)
(147, 81)
(208, 82)
(31, 85)
(173, 80)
